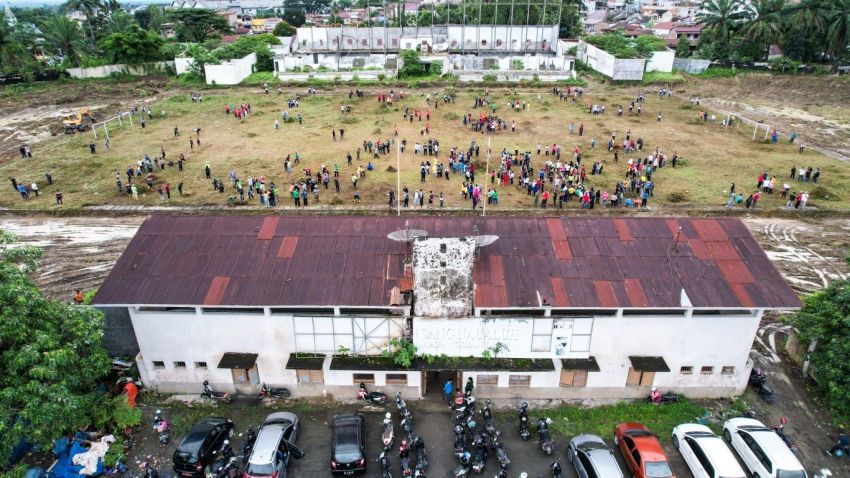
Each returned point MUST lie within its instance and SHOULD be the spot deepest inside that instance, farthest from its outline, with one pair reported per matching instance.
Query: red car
(642, 451)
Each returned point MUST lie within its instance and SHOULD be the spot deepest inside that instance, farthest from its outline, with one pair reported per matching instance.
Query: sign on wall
(520, 337)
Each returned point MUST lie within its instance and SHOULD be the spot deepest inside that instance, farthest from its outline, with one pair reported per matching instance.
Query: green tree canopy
(12, 51)
(51, 359)
(65, 38)
(721, 18)
(683, 47)
(283, 29)
(197, 25)
(133, 46)
(294, 16)
(825, 317)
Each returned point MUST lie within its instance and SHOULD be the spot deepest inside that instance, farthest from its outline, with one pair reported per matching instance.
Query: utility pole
(398, 177)
(486, 174)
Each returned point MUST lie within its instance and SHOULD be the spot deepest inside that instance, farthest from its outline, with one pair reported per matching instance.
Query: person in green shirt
(296, 196)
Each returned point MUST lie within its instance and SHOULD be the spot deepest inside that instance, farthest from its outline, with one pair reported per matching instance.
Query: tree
(51, 360)
(825, 318)
(294, 16)
(65, 37)
(133, 46)
(283, 29)
(96, 12)
(118, 22)
(150, 18)
(683, 47)
(807, 13)
(763, 23)
(721, 17)
(838, 28)
(411, 66)
(12, 51)
(197, 25)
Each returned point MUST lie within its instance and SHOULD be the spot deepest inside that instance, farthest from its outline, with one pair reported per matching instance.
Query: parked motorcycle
(160, 426)
(402, 406)
(464, 409)
(406, 470)
(523, 421)
(460, 442)
(501, 455)
(273, 393)
(758, 380)
(479, 461)
(462, 470)
(223, 468)
(248, 447)
(419, 471)
(387, 434)
(406, 428)
(488, 418)
(555, 468)
(213, 395)
(375, 398)
(385, 464)
(543, 437)
(421, 453)
(659, 398)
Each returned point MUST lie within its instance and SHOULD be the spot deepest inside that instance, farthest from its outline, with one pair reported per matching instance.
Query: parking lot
(431, 420)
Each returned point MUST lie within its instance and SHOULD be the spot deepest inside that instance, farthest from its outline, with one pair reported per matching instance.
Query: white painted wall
(608, 65)
(691, 65)
(107, 70)
(183, 64)
(661, 61)
(230, 72)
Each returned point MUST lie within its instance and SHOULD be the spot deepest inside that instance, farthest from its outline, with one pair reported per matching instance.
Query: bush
(622, 47)
(489, 78)
(436, 68)
(115, 414)
(517, 65)
(676, 197)
(820, 192)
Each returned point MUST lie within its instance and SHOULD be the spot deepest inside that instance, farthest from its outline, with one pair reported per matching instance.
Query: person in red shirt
(131, 390)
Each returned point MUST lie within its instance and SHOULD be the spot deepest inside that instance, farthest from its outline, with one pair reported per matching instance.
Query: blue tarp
(65, 451)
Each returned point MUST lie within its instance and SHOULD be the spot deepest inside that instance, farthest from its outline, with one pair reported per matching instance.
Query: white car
(762, 450)
(705, 453)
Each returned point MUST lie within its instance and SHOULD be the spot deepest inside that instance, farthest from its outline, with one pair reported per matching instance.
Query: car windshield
(346, 454)
(186, 457)
(790, 474)
(264, 469)
(658, 469)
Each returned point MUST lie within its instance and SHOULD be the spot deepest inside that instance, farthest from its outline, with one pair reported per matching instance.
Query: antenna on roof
(675, 247)
(406, 234)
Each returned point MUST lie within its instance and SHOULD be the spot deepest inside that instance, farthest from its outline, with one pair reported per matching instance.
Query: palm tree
(12, 51)
(807, 13)
(763, 23)
(65, 36)
(118, 22)
(721, 17)
(838, 27)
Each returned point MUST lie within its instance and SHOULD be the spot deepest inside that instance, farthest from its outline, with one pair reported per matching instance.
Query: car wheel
(570, 456)
(230, 433)
(675, 442)
(727, 436)
(616, 441)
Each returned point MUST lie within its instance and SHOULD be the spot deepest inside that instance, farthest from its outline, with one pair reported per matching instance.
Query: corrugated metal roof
(348, 261)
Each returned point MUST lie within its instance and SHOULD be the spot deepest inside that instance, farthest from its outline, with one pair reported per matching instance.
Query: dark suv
(348, 451)
(201, 446)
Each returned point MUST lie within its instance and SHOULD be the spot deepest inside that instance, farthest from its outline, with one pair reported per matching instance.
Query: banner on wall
(562, 335)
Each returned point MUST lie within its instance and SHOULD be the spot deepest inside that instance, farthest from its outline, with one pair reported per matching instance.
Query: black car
(201, 446)
(348, 450)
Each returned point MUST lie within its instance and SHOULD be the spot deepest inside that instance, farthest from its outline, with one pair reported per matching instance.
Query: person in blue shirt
(448, 388)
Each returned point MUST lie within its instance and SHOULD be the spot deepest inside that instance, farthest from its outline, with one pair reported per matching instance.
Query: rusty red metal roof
(348, 261)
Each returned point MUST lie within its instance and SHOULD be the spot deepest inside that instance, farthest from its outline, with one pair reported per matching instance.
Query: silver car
(592, 458)
(274, 447)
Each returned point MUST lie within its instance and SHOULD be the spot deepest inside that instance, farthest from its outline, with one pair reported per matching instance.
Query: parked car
(201, 446)
(592, 458)
(705, 453)
(348, 447)
(764, 452)
(274, 446)
(642, 451)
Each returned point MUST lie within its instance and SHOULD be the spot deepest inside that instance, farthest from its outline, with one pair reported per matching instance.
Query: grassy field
(712, 157)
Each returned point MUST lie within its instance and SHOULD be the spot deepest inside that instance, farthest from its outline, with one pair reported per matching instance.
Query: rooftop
(634, 262)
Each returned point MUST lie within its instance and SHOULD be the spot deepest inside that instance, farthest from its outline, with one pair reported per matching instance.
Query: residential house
(595, 22)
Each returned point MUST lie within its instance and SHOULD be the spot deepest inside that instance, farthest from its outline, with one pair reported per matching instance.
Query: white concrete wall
(544, 76)
(183, 64)
(107, 70)
(230, 72)
(608, 65)
(661, 61)
(332, 61)
(502, 37)
(691, 65)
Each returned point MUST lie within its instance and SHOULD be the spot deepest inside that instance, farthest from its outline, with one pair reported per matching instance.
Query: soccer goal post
(117, 121)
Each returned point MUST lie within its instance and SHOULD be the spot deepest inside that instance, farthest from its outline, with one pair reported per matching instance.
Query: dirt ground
(713, 157)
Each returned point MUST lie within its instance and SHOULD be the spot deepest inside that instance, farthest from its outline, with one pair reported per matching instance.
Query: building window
(364, 378)
(727, 370)
(637, 378)
(573, 378)
(200, 365)
(396, 379)
(686, 370)
(158, 364)
(489, 380)
(483, 42)
(179, 364)
(706, 370)
(517, 381)
(311, 376)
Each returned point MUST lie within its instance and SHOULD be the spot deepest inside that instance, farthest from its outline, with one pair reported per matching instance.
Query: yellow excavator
(80, 121)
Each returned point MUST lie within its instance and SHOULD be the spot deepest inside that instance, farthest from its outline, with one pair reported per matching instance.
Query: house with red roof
(539, 307)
